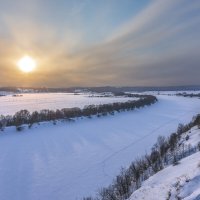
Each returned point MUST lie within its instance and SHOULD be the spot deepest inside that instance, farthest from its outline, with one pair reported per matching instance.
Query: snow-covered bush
(3, 122)
(198, 146)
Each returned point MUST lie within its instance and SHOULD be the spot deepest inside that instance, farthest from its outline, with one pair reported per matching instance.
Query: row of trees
(166, 151)
(188, 95)
(25, 117)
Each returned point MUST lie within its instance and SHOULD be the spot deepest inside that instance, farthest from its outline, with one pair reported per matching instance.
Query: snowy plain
(72, 160)
(10, 104)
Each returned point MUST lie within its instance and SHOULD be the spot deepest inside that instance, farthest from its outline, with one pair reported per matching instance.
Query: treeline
(25, 117)
(166, 151)
(120, 94)
(188, 95)
(124, 94)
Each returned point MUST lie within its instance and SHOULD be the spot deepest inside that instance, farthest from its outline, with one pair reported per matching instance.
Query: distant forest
(100, 89)
(188, 95)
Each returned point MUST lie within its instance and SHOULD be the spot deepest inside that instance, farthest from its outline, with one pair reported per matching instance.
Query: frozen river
(72, 160)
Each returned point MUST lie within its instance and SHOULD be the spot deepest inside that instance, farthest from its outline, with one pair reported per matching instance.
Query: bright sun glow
(26, 64)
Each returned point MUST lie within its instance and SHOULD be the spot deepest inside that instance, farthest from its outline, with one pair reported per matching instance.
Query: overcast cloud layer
(94, 43)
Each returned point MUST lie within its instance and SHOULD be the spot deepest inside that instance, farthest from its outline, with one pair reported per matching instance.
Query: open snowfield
(9, 104)
(72, 160)
(182, 180)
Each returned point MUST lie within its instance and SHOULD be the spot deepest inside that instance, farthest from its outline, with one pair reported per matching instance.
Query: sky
(100, 42)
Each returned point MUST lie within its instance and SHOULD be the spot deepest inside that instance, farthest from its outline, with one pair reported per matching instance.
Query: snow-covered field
(9, 104)
(72, 160)
(181, 181)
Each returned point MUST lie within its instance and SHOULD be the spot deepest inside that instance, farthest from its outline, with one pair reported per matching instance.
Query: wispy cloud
(162, 36)
(158, 46)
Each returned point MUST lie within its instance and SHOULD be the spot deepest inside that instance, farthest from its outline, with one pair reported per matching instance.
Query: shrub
(187, 137)
(198, 145)
(19, 128)
(175, 160)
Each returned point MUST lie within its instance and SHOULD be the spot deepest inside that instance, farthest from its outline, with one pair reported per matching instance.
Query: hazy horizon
(86, 43)
(104, 87)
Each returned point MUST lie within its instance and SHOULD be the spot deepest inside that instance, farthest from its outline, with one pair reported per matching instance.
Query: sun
(26, 64)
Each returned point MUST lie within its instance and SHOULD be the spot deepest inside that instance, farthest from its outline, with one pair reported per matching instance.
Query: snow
(74, 159)
(182, 180)
(9, 104)
(194, 136)
(5, 93)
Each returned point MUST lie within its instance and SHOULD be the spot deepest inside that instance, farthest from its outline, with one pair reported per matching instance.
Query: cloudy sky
(100, 42)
